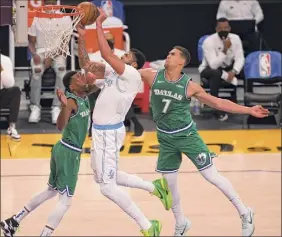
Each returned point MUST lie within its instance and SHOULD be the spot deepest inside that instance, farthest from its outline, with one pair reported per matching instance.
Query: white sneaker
(35, 114)
(224, 76)
(248, 226)
(55, 114)
(223, 117)
(13, 133)
(181, 230)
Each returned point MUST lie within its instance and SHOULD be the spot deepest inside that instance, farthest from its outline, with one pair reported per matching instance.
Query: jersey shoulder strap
(159, 75)
(186, 78)
(186, 81)
(70, 95)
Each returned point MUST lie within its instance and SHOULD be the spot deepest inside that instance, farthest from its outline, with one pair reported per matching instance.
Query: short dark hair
(184, 53)
(140, 58)
(67, 79)
(222, 19)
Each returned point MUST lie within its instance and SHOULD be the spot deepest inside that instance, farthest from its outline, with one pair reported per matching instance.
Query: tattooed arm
(84, 61)
(98, 69)
(83, 57)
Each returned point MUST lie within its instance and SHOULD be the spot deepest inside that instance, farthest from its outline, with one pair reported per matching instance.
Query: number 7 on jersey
(167, 103)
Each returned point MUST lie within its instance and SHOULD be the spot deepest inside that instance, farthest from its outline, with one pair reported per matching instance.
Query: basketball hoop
(58, 35)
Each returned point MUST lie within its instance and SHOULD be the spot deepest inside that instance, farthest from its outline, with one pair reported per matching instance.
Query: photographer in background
(10, 95)
(223, 59)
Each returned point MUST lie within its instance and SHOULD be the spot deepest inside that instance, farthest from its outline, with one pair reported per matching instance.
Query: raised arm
(115, 62)
(148, 75)
(68, 106)
(84, 61)
(222, 104)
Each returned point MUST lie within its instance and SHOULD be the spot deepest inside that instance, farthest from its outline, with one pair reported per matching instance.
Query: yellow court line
(222, 142)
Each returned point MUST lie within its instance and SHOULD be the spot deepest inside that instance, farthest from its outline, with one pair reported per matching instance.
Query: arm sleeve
(221, 11)
(238, 55)
(257, 11)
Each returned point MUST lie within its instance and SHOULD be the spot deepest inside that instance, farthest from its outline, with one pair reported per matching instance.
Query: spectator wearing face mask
(244, 10)
(223, 59)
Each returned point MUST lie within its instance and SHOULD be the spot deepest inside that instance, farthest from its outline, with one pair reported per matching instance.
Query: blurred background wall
(175, 22)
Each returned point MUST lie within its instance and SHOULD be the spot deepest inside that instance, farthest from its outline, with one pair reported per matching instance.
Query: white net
(58, 29)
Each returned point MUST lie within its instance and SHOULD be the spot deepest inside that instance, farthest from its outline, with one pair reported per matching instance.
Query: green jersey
(76, 130)
(170, 104)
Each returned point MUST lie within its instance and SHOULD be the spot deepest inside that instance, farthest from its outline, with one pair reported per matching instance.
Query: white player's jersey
(116, 96)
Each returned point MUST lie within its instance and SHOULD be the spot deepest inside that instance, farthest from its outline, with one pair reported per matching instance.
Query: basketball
(91, 13)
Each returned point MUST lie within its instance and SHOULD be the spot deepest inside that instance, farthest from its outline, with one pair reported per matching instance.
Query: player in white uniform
(121, 84)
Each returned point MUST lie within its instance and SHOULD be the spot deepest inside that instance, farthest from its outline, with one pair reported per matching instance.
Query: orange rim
(40, 11)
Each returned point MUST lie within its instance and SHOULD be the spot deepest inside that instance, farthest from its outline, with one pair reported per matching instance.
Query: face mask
(223, 34)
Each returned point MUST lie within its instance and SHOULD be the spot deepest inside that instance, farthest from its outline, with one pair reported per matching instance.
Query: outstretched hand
(102, 16)
(62, 97)
(259, 112)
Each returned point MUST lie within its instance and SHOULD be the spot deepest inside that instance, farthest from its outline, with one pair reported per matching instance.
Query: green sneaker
(162, 192)
(154, 230)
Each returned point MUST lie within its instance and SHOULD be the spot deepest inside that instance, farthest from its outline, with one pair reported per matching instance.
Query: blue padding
(200, 47)
(263, 64)
(118, 10)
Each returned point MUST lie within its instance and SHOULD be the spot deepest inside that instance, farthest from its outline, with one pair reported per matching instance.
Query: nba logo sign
(107, 6)
(265, 64)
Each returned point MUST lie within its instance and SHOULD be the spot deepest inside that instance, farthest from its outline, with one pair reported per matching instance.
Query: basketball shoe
(154, 230)
(9, 226)
(162, 192)
(181, 230)
(248, 226)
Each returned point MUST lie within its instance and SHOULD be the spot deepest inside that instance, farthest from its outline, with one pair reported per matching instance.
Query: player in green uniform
(65, 158)
(171, 95)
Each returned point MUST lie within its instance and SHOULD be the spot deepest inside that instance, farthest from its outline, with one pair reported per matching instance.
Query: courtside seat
(264, 68)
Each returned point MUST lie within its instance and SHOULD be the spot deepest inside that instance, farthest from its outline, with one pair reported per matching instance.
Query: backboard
(23, 21)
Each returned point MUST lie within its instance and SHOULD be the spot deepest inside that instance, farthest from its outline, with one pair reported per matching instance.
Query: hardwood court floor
(256, 177)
